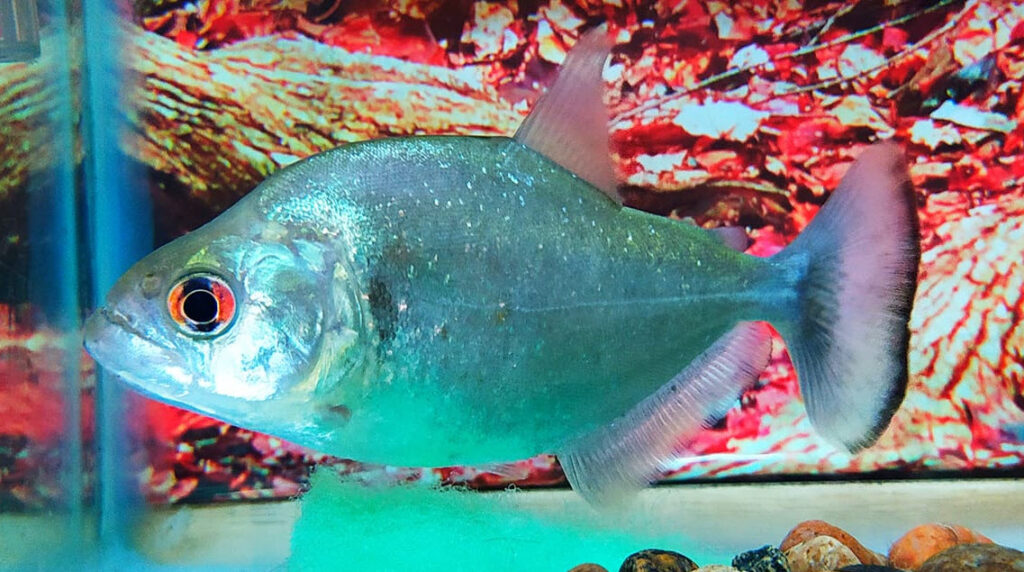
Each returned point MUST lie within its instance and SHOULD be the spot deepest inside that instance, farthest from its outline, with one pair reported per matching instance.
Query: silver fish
(433, 301)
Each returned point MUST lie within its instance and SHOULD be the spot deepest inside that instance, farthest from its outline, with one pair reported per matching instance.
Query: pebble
(976, 558)
(716, 568)
(923, 542)
(869, 568)
(820, 554)
(764, 559)
(657, 561)
(809, 529)
(588, 567)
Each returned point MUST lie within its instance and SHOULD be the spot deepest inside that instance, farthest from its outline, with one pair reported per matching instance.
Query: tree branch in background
(261, 104)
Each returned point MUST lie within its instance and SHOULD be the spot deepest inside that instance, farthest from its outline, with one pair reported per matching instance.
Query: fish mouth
(120, 346)
(103, 324)
(103, 316)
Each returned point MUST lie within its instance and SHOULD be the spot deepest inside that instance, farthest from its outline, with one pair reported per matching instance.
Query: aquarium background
(722, 113)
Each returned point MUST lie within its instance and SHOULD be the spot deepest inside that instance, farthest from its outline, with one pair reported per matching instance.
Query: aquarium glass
(724, 116)
(46, 384)
(124, 125)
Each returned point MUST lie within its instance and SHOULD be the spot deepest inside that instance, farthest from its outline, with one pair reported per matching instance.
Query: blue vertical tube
(65, 227)
(54, 273)
(120, 232)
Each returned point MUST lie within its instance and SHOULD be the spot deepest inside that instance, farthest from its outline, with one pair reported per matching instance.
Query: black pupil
(201, 308)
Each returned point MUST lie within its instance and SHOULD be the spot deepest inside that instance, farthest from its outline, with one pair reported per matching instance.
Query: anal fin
(606, 466)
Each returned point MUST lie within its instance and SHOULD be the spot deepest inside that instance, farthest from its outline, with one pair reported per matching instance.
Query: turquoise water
(352, 526)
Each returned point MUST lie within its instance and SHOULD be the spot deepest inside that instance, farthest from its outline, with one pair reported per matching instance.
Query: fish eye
(201, 304)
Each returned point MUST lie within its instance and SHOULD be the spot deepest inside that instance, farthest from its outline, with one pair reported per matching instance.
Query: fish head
(231, 320)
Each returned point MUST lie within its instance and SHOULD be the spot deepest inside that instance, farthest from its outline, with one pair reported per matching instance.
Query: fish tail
(855, 267)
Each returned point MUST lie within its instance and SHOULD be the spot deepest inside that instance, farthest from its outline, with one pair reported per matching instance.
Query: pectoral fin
(606, 466)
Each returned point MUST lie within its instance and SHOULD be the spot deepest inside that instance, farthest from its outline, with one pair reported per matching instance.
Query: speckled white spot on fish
(469, 185)
(522, 201)
(513, 178)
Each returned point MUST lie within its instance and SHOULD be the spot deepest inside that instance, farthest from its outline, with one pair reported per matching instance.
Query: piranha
(456, 300)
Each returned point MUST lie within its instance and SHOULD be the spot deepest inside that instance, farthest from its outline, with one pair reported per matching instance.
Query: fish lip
(115, 318)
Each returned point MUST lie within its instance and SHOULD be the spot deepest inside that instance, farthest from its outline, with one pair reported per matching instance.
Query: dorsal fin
(569, 125)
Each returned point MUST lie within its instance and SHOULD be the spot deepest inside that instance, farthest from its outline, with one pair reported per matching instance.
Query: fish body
(459, 300)
(496, 317)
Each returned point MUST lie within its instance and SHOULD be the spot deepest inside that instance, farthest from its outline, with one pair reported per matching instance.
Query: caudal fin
(857, 262)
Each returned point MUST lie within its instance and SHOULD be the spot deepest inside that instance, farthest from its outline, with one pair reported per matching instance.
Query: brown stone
(923, 542)
(976, 558)
(588, 567)
(811, 528)
(717, 568)
(657, 561)
(820, 554)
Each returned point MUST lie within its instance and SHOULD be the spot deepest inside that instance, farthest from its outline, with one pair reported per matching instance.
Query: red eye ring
(201, 304)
